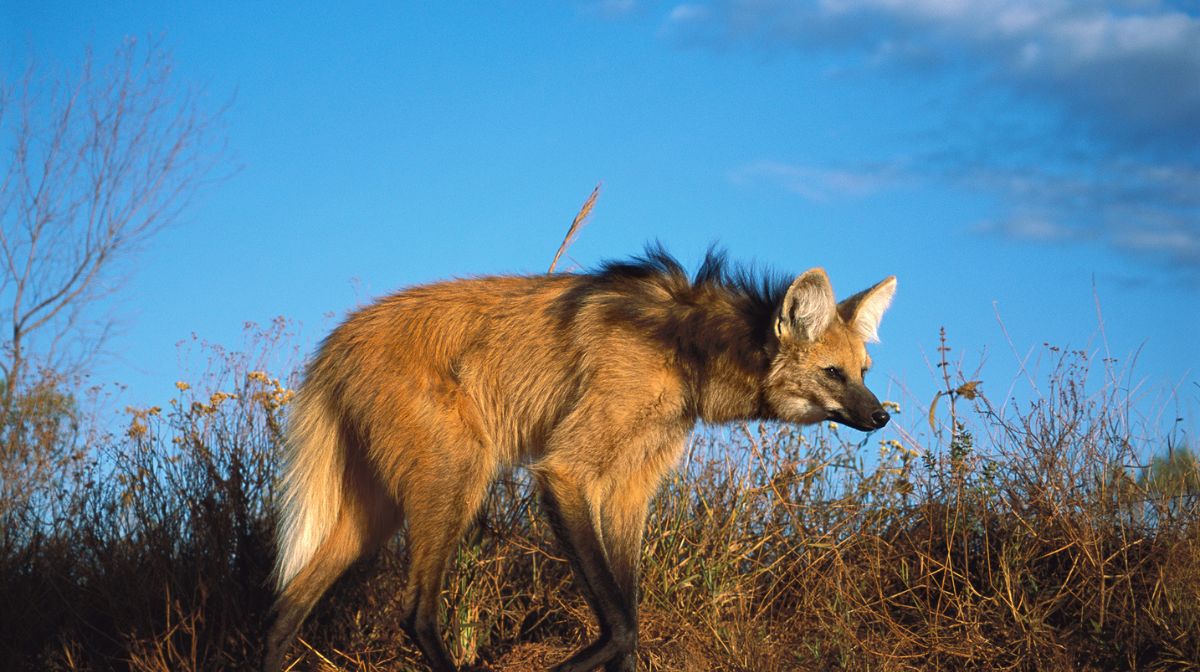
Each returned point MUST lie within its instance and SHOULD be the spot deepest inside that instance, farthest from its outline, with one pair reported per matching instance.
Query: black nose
(880, 418)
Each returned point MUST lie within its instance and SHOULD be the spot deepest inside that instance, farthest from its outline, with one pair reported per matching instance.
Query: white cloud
(1172, 242)
(1146, 210)
(820, 184)
(1131, 69)
(1118, 165)
(686, 13)
(1033, 227)
(612, 8)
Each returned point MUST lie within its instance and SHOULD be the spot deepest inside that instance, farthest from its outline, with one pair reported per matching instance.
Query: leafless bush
(96, 162)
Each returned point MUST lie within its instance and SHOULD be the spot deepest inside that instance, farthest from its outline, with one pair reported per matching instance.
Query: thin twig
(576, 226)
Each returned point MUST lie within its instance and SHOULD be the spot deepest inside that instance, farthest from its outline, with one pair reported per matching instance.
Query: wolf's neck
(724, 358)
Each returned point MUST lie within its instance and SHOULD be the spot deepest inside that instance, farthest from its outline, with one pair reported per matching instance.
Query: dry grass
(1007, 540)
(581, 217)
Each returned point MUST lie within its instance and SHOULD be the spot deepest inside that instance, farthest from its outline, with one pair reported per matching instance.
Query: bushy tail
(313, 468)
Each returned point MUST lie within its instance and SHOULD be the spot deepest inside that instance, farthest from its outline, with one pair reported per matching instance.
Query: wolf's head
(817, 372)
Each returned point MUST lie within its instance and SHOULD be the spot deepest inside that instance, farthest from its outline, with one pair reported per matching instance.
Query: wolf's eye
(835, 373)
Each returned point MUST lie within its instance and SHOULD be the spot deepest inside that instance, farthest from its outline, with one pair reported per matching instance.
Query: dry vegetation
(1002, 539)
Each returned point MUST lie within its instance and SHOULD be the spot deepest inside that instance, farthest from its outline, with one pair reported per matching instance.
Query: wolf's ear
(863, 311)
(807, 309)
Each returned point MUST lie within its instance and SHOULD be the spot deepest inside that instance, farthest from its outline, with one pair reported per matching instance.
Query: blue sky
(1020, 160)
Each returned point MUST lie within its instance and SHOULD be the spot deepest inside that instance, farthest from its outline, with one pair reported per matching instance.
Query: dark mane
(762, 289)
(716, 323)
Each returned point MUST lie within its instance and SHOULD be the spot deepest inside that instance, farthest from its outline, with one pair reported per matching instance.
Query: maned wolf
(592, 381)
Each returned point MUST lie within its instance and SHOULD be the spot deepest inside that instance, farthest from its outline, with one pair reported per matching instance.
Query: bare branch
(99, 163)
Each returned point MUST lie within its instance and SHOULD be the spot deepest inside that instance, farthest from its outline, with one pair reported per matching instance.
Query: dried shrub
(1008, 538)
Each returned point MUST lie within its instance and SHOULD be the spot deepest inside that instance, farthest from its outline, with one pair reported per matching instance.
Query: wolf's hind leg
(441, 499)
(367, 517)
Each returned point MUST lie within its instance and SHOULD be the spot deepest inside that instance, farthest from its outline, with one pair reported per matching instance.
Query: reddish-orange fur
(592, 381)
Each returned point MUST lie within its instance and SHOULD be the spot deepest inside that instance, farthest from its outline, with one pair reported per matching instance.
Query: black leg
(576, 526)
